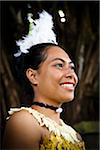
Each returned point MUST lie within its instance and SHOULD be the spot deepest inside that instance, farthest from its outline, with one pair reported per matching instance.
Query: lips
(68, 85)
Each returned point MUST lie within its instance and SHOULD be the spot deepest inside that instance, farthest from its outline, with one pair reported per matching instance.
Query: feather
(40, 31)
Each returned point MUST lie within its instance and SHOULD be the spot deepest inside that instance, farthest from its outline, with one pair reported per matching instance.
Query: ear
(32, 76)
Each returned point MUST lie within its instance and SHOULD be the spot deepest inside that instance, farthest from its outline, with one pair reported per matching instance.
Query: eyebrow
(62, 60)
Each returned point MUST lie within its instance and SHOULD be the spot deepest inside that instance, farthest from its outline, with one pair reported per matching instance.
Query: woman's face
(56, 77)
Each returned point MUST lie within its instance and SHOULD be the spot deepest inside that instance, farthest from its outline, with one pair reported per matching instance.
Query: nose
(70, 74)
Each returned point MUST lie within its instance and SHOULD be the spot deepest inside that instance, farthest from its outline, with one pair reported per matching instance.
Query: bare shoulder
(22, 129)
(24, 118)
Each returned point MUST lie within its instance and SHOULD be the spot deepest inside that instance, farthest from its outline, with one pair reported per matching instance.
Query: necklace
(57, 109)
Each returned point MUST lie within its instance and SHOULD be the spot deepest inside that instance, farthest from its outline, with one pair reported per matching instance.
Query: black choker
(57, 109)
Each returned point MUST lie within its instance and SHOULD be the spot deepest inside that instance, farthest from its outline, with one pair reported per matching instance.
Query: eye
(59, 66)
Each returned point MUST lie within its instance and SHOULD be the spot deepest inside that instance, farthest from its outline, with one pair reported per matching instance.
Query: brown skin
(51, 75)
(22, 130)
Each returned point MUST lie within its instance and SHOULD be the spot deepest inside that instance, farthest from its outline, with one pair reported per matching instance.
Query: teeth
(67, 85)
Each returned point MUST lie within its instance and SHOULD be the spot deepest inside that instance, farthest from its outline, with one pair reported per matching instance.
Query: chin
(68, 98)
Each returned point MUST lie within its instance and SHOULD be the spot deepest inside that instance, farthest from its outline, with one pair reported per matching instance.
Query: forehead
(57, 52)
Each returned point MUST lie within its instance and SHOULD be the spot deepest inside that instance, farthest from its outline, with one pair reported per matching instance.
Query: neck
(47, 101)
(56, 109)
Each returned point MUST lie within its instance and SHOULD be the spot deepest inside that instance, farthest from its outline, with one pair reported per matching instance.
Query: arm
(22, 132)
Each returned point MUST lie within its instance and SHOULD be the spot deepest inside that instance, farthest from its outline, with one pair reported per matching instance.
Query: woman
(50, 72)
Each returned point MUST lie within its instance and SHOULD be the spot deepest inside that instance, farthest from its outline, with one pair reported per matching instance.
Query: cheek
(50, 77)
(55, 77)
(50, 80)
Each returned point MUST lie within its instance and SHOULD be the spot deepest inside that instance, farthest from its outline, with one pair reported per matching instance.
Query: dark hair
(37, 55)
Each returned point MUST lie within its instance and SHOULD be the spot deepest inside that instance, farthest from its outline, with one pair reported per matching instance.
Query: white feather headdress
(40, 31)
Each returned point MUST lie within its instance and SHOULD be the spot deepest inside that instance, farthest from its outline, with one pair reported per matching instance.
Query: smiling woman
(47, 68)
(60, 80)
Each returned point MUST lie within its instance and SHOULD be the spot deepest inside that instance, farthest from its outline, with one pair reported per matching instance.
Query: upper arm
(22, 131)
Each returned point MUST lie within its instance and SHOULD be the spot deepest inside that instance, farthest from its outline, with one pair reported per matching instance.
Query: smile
(68, 85)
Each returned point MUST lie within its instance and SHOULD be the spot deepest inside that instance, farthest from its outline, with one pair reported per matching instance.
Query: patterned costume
(62, 137)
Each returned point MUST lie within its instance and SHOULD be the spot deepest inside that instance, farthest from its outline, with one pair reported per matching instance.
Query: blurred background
(77, 28)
